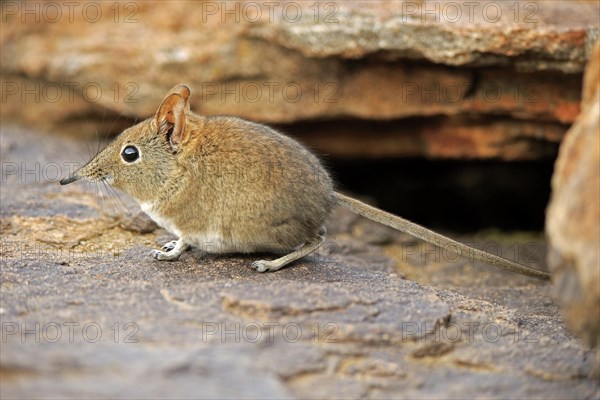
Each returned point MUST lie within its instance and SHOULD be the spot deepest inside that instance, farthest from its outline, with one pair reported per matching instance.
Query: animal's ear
(171, 119)
(184, 91)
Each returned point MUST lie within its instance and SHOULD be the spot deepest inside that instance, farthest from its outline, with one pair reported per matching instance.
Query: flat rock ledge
(86, 313)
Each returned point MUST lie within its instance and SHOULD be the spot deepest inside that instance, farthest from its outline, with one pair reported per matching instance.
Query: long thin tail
(401, 224)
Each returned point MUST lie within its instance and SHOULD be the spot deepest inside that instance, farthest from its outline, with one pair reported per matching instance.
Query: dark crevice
(460, 196)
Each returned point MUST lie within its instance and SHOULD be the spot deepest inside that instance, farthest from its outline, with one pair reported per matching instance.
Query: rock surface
(573, 215)
(290, 62)
(86, 313)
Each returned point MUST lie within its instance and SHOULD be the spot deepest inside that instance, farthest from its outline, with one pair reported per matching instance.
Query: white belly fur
(164, 222)
(209, 242)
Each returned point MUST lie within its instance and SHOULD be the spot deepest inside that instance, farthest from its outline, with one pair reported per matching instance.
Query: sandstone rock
(573, 214)
(97, 317)
(335, 61)
(453, 33)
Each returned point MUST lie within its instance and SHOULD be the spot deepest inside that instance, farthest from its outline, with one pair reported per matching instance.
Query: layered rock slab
(309, 62)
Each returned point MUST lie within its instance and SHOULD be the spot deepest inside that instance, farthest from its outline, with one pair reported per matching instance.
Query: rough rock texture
(573, 214)
(87, 313)
(518, 62)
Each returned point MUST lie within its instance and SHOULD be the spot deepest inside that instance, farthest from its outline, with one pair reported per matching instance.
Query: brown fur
(226, 184)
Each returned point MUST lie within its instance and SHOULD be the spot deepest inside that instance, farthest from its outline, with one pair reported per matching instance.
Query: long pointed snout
(69, 179)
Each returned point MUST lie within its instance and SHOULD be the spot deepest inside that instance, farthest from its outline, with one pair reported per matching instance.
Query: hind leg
(306, 249)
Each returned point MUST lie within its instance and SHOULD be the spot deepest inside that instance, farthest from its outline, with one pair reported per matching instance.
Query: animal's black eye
(130, 154)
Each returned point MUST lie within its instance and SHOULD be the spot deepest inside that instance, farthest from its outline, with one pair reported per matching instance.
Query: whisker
(101, 195)
(115, 195)
(113, 123)
(101, 139)
(108, 203)
(87, 144)
(98, 142)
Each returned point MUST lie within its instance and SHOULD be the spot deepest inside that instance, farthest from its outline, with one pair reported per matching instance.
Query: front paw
(164, 256)
(169, 246)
